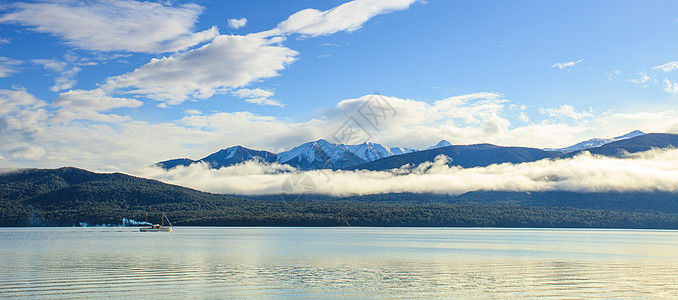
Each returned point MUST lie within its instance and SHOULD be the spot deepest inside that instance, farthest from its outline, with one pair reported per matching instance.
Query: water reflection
(337, 262)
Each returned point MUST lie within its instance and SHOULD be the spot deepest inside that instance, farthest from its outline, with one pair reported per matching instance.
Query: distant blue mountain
(597, 142)
(319, 154)
(322, 154)
(486, 154)
(467, 156)
(637, 144)
(223, 158)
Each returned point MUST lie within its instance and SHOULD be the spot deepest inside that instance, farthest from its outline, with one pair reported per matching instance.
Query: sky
(119, 85)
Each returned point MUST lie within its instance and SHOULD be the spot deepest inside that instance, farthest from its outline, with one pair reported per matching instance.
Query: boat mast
(168, 221)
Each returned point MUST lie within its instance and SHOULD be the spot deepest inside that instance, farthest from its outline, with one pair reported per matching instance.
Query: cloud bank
(117, 142)
(654, 170)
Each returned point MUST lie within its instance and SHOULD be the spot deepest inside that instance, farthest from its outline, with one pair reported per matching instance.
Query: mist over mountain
(72, 197)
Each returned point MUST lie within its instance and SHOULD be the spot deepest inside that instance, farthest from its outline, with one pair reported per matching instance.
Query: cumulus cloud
(237, 23)
(227, 62)
(566, 65)
(649, 171)
(670, 87)
(88, 105)
(14, 100)
(114, 25)
(127, 144)
(349, 17)
(8, 66)
(53, 65)
(667, 67)
(566, 111)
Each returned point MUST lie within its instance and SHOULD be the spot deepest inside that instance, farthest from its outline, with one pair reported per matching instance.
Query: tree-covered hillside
(69, 196)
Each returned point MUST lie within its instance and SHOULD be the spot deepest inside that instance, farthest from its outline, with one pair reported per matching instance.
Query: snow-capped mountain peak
(318, 154)
(442, 143)
(597, 142)
(400, 150)
(368, 151)
(629, 135)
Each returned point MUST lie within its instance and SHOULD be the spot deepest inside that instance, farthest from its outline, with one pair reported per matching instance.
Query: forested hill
(70, 196)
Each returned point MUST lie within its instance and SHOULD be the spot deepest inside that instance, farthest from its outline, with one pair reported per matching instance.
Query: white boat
(158, 227)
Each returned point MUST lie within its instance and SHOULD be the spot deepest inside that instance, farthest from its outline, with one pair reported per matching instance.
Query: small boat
(158, 227)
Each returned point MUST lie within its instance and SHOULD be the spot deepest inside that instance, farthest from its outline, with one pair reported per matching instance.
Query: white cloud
(53, 65)
(227, 62)
(566, 65)
(237, 23)
(8, 66)
(12, 101)
(257, 96)
(566, 111)
(643, 79)
(612, 75)
(649, 171)
(670, 87)
(26, 152)
(264, 101)
(523, 117)
(4, 41)
(667, 67)
(129, 144)
(114, 25)
(349, 17)
(87, 105)
(192, 112)
(66, 79)
(252, 93)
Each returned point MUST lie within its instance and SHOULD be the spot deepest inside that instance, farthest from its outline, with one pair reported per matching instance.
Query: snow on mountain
(399, 150)
(322, 154)
(234, 155)
(368, 151)
(440, 144)
(597, 142)
(319, 154)
(222, 158)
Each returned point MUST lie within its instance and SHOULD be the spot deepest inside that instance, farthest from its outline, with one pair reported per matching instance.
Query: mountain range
(322, 154)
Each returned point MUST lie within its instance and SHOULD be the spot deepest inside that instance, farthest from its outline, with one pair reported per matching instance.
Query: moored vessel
(158, 227)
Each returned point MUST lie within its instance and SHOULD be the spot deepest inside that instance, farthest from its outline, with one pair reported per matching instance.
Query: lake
(268, 262)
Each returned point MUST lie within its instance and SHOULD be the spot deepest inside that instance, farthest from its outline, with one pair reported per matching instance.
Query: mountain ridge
(72, 197)
(322, 154)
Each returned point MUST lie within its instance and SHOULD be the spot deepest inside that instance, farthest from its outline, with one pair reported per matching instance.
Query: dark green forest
(70, 196)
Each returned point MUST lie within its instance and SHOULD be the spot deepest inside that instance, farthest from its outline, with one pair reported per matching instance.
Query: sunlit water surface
(220, 262)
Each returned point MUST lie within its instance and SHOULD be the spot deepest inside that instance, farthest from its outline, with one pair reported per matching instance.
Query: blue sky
(117, 85)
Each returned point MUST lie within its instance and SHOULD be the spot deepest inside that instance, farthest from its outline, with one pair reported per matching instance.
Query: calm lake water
(220, 262)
